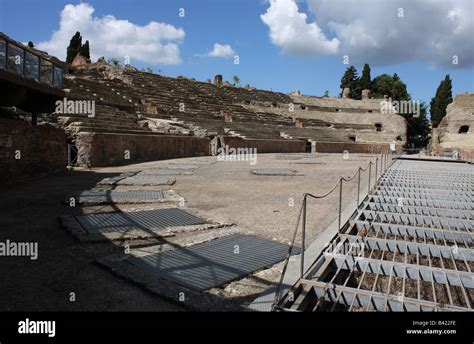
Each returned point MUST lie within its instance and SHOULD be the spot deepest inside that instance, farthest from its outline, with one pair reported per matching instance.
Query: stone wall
(447, 137)
(101, 149)
(339, 111)
(267, 146)
(340, 147)
(41, 150)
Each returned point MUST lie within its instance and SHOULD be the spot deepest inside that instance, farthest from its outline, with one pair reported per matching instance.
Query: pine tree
(365, 79)
(441, 100)
(85, 50)
(399, 91)
(75, 45)
(350, 79)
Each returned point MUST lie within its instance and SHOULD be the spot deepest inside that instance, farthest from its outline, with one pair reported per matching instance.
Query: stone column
(365, 94)
(346, 92)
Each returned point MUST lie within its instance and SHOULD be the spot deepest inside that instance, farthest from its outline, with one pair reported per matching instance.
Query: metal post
(303, 235)
(69, 163)
(340, 202)
(24, 63)
(370, 172)
(358, 188)
(6, 54)
(376, 168)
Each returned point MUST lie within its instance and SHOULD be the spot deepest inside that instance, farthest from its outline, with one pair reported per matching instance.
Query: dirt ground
(266, 206)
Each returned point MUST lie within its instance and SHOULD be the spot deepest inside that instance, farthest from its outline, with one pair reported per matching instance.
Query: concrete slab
(137, 181)
(164, 172)
(275, 172)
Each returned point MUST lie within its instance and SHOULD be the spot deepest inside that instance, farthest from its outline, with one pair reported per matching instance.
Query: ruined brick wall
(371, 148)
(42, 150)
(447, 136)
(267, 146)
(110, 149)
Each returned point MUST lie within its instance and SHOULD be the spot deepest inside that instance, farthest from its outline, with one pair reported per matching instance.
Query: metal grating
(213, 263)
(409, 247)
(140, 220)
(103, 196)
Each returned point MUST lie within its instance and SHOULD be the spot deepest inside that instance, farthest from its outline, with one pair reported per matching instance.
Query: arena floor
(260, 199)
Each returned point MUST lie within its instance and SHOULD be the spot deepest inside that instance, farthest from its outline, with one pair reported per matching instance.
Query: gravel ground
(226, 191)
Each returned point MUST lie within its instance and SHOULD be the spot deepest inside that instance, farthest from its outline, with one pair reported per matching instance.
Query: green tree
(84, 51)
(418, 127)
(440, 101)
(236, 80)
(417, 123)
(326, 94)
(365, 80)
(114, 62)
(350, 79)
(74, 47)
(30, 44)
(399, 91)
(391, 86)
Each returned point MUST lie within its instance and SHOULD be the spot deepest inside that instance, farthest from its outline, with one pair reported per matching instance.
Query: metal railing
(25, 62)
(444, 155)
(384, 161)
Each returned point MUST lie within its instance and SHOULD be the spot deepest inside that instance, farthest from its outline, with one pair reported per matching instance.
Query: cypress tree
(85, 50)
(74, 47)
(351, 80)
(440, 101)
(365, 79)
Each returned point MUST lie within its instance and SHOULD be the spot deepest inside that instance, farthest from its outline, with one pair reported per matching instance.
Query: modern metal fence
(375, 170)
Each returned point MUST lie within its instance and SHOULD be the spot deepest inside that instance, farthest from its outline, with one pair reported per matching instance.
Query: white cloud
(371, 31)
(222, 50)
(290, 30)
(155, 43)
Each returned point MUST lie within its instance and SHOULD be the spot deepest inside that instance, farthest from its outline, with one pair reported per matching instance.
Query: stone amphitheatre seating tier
(267, 131)
(229, 111)
(114, 93)
(107, 119)
(200, 90)
(320, 123)
(323, 135)
(219, 127)
(330, 104)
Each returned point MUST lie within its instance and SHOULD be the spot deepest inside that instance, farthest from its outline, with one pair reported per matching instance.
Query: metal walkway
(408, 247)
(139, 220)
(215, 262)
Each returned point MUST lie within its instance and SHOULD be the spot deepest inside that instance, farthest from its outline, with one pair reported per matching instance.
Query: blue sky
(309, 61)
